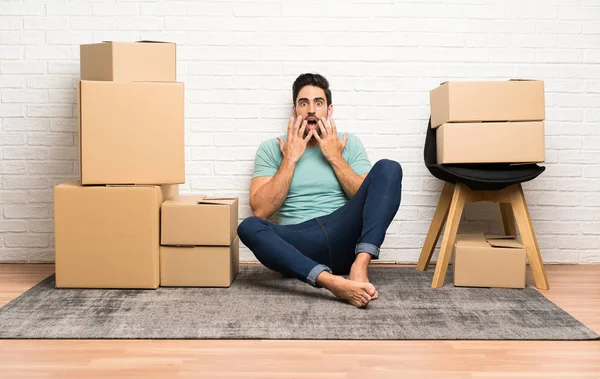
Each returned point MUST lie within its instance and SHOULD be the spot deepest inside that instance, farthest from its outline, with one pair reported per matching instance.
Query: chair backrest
(430, 150)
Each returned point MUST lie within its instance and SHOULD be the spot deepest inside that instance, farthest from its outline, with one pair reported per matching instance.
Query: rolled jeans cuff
(312, 275)
(364, 247)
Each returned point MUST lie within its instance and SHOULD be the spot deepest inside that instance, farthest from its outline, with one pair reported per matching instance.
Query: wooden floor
(575, 288)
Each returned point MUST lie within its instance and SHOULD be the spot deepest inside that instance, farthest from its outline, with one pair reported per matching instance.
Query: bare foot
(358, 273)
(356, 293)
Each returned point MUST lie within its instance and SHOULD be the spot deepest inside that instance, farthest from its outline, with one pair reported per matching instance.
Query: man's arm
(332, 149)
(267, 193)
(349, 180)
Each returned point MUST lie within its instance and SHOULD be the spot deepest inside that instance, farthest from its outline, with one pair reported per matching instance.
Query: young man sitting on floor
(333, 208)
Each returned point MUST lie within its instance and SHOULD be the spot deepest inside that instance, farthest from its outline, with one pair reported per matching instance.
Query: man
(333, 208)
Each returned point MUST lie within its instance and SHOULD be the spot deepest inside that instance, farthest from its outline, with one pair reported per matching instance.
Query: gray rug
(262, 304)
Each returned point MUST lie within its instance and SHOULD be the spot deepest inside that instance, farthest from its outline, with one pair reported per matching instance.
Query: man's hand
(293, 148)
(330, 144)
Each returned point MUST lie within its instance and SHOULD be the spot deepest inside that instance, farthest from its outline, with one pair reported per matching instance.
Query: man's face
(311, 104)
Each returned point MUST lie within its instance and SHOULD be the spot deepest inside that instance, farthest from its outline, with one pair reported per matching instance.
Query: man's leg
(357, 230)
(300, 251)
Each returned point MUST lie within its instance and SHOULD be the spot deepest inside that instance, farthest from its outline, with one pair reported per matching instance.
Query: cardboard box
(198, 220)
(170, 191)
(513, 100)
(491, 142)
(107, 237)
(131, 133)
(489, 261)
(199, 266)
(142, 61)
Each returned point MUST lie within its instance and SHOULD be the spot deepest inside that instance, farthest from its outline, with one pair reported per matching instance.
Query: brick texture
(238, 60)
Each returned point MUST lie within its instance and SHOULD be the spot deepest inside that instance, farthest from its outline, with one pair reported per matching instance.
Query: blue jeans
(330, 243)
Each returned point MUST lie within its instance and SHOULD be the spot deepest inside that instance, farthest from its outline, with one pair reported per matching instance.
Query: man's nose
(311, 109)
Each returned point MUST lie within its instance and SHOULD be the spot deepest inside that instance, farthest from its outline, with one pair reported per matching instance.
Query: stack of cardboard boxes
(489, 122)
(199, 242)
(131, 149)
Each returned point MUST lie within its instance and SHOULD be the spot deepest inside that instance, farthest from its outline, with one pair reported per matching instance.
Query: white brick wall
(238, 60)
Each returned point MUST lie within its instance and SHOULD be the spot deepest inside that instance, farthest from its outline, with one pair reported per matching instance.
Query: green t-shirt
(315, 190)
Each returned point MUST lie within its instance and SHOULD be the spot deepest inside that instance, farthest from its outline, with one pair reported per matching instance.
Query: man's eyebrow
(306, 99)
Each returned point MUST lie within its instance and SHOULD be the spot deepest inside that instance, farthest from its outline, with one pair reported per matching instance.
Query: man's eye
(319, 103)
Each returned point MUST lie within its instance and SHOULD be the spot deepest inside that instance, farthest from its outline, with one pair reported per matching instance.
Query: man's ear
(329, 110)
(293, 111)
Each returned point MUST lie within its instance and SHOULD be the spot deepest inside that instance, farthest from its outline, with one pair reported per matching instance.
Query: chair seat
(486, 176)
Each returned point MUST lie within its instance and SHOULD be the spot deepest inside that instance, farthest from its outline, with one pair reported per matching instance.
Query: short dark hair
(315, 80)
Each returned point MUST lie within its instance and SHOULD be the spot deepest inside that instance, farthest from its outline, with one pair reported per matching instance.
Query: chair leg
(435, 229)
(459, 198)
(508, 219)
(519, 207)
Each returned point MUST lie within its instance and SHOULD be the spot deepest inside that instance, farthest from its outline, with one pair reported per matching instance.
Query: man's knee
(249, 227)
(390, 168)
